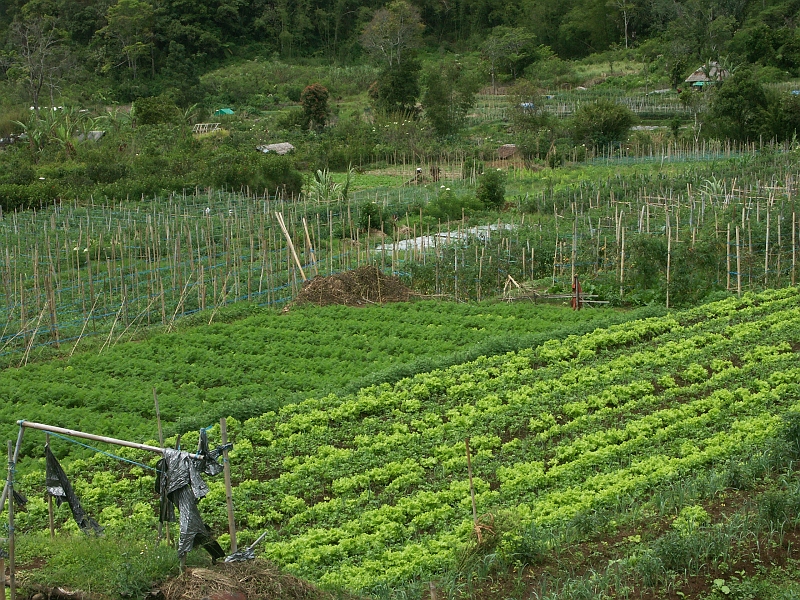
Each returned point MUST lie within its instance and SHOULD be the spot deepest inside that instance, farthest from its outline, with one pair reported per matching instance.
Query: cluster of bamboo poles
(109, 269)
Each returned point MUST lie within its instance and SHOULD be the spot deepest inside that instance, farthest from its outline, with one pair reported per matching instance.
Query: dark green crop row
(265, 360)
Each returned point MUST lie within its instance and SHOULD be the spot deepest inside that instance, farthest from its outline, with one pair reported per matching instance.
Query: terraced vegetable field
(261, 359)
(373, 488)
(370, 491)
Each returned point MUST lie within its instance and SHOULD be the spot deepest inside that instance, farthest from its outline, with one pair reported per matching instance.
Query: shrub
(106, 171)
(371, 216)
(237, 169)
(742, 108)
(472, 167)
(602, 122)
(397, 88)
(449, 95)
(155, 110)
(21, 197)
(17, 173)
(492, 189)
(450, 207)
(314, 100)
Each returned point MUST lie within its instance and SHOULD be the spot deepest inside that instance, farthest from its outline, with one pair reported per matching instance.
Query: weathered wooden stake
(50, 518)
(223, 430)
(12, 583)
(728, 259)
(471, 486)
(738, 265)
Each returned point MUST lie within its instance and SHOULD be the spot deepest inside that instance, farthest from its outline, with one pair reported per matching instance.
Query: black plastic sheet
(60, 488)
(179, 483)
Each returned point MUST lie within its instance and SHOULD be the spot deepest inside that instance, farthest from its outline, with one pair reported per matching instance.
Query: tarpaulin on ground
(60, 488)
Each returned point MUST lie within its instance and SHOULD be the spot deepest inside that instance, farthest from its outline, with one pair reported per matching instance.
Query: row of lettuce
(251, 361)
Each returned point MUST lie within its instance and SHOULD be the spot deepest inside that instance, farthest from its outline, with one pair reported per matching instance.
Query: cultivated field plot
(372, 489)
(261, 359)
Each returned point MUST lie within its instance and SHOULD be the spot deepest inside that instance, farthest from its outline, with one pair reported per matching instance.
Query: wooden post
(622, 266)
(794, 247)
(574, 254)
(50, 519)
(223, 430)
(471, 489)
(669, 255)
(6, 493)
(282, 225)
(161, 443)
(728, 259)
(12, 584)
(738, 265)
(766, 251)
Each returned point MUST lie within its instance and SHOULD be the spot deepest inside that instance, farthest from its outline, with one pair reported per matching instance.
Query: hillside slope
(372, 489)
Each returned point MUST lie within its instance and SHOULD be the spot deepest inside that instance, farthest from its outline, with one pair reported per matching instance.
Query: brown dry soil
(365, 285)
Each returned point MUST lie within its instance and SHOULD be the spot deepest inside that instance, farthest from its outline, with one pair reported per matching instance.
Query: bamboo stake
(312, 252)
(728, 259)
(88, 436)
(738, 266)
(669, 256)
(471, 488)
(50, 519)
(622, 266)
(766, 251)
(223, 430)
(12, 583)
(794, 247)
(282, 224)
(161, 443)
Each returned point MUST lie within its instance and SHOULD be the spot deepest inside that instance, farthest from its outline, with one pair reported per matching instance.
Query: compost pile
(365, 285)
(251, 580)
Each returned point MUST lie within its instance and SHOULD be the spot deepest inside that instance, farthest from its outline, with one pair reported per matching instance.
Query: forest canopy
(135, 43)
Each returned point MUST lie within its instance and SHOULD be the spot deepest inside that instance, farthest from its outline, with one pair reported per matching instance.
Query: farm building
(707, 74)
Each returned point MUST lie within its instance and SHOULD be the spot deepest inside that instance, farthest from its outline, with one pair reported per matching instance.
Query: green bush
(236, 169)
(372, 216)
(155, 110)
(17, 173)
(21, 197)
(106, 171)
(492, 189)
(447, 206)
(472, 167)
(601, 123)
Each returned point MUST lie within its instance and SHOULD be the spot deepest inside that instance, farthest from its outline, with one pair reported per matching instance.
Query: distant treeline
(134, 42)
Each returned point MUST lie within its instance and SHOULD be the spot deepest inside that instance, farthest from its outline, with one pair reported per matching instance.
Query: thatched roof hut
(506, 151)
(707, 74)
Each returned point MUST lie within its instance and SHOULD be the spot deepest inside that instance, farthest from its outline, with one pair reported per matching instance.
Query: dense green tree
(314, 101)
(602, 122)
(492, 188)
(129, 33)
(450, 90)
(742, 108)
(508, 50)
(392, 32)
(397, 88)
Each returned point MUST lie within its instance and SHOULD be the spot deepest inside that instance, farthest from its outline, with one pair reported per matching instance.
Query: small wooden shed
(707, 74)
(506, 151)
